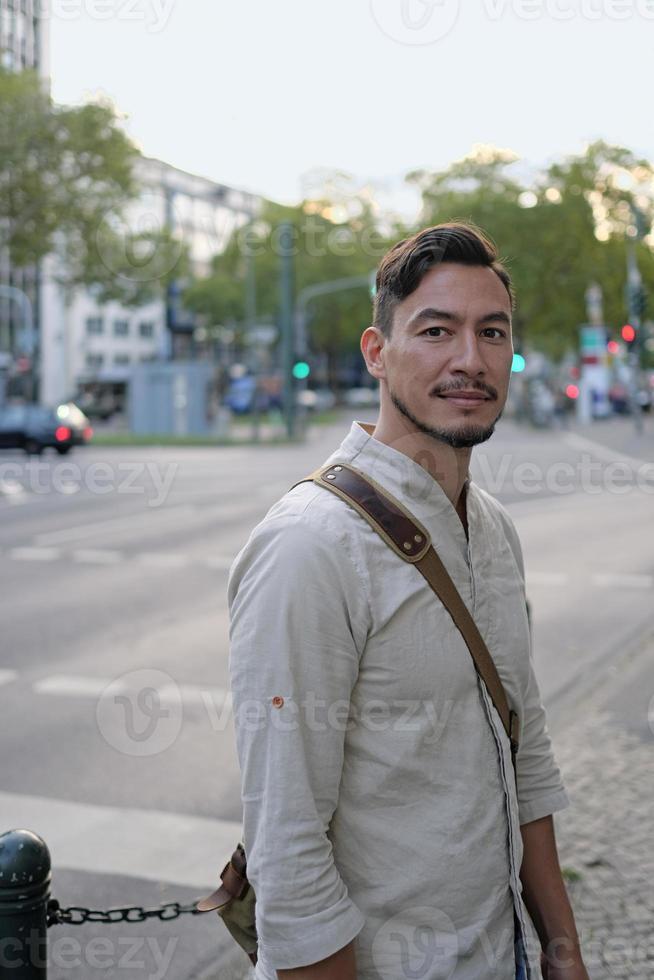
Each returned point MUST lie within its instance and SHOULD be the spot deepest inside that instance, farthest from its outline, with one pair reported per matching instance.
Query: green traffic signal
(519, 364)
(301, 370)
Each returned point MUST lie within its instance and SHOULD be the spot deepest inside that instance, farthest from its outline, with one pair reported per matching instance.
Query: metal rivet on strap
(337, 469)
(418, 538)
(330, 476)
(407, 546)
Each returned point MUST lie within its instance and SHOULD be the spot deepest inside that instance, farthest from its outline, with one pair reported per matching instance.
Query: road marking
(7, 676)
(71, 534)
(162, 559)
(220, 562)
(78, 686)
(607, 454)
(197, 694)
(34, 554)
(106, 556)
(609, 579)
(94, 556)
(74, 686)
(14, 492)
(158, 846)
(547, 578)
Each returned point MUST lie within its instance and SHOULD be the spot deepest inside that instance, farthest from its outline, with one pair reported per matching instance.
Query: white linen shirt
(379, 801)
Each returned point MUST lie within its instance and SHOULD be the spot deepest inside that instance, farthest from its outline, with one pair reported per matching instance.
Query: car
(316, 399)
(361, 397)
(35, 428)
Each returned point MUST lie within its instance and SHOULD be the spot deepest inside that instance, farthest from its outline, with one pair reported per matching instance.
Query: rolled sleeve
(540, 788)
(297, 624)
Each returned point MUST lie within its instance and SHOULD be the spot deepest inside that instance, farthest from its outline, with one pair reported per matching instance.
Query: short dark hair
(403, 267)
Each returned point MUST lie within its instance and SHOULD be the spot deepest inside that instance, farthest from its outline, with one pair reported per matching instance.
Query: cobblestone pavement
(606, 837)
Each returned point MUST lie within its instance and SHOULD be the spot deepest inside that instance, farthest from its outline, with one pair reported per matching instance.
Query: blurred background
(194, 200)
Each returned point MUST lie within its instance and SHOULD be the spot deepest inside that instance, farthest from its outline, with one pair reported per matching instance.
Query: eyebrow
(430, 313)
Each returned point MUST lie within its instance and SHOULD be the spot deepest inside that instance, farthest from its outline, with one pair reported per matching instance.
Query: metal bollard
(24, 892)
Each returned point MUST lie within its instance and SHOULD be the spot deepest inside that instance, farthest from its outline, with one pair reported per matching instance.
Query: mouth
(466, 399)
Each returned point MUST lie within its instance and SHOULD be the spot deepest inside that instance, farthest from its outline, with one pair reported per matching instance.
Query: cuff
(315, 937)
(543, 806)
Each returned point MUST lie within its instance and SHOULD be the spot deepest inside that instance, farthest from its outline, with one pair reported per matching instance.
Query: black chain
(76, 915)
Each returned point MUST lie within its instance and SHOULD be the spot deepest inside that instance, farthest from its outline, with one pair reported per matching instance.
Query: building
(24, 43)
(88, 349)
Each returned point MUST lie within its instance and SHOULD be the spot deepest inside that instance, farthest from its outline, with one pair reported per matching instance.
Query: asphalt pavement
(117, 735)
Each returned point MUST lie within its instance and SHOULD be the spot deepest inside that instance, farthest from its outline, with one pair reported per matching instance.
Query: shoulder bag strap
(411, 541)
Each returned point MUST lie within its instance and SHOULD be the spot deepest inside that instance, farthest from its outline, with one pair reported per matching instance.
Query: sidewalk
(605, 838)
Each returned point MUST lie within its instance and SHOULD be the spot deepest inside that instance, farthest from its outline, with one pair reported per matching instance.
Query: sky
(257, 94)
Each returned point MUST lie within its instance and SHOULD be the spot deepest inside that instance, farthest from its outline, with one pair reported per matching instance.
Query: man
(385, 836)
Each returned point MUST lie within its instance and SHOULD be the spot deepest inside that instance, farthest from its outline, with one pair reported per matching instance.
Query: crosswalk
(185, 850)
(112, 556)
(179, 848)
(102, 557)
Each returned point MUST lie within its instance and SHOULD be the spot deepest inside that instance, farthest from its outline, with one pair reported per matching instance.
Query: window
(146, 328)
(94, 360)
(94, 324)
(120, 360)
(12, 417)
(121, 328)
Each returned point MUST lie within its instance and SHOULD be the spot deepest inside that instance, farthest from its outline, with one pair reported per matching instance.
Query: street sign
(595, 378)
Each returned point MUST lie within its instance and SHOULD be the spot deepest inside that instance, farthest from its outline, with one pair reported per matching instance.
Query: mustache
(451, 386)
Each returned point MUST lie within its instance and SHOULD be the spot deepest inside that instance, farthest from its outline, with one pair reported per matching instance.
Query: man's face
(447, 362)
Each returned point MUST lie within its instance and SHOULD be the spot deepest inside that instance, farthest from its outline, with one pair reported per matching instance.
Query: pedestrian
(386, 834)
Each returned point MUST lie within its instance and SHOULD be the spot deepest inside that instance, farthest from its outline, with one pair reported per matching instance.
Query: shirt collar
(405, 479)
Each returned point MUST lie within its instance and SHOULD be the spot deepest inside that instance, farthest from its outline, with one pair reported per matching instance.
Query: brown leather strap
(411, 541)
(234, 883)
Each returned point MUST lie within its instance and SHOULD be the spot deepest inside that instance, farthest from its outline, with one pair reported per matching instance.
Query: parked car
(361, 397)
(316, 399)
(34, 428)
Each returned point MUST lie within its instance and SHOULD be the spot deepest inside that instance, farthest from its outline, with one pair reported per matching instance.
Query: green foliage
(557, 232)
(327, 245)
(66, 179)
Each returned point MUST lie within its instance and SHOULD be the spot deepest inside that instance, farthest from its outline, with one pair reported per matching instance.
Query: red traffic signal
(628, 333)
(613, 347)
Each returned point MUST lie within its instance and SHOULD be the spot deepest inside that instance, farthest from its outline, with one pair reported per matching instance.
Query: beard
(464, 437)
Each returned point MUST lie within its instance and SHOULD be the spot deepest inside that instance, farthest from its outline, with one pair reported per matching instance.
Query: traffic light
(613, 347)
(628, 333)
(301, 370)
(518, 364)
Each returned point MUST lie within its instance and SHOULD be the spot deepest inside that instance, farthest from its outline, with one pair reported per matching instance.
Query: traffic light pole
(634, 290)
(286, 322)
(309, 293)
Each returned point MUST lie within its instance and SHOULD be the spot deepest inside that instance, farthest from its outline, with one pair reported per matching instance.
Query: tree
(67, 175)
(331, 240)
(558, 230)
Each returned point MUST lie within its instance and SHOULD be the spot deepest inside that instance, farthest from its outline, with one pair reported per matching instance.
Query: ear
(373, 342)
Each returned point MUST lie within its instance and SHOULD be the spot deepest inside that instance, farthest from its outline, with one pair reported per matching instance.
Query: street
(118, 743)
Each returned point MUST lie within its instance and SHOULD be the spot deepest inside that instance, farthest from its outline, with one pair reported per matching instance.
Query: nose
(467, 356)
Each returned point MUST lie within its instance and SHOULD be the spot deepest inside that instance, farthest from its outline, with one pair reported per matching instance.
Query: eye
(496, 333)
(434, 331)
